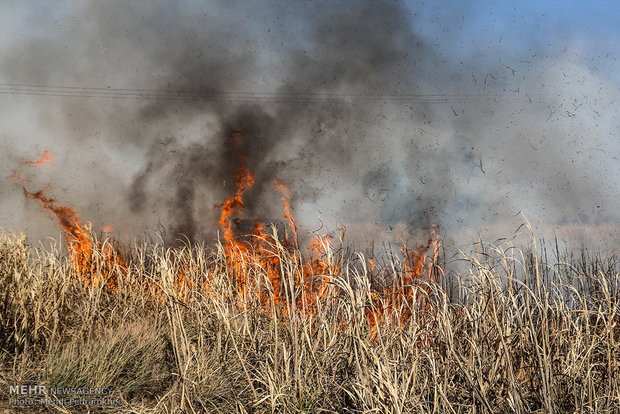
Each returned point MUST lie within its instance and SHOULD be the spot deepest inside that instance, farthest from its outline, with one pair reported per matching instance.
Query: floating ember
(45, 159)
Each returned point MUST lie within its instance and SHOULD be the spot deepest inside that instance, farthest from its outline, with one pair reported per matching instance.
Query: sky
(381, 116)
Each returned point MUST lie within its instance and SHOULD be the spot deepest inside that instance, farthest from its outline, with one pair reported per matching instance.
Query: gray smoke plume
(367, 120)
(353, 53)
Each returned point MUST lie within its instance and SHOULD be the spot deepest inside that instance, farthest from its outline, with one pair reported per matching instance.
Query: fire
(412, 288)
(45, 159)
(283, 188)
(244, 180)
(80, 242)
(237, 253)
(260, 250)
(263, 267)
(69, 221)
(312, 280)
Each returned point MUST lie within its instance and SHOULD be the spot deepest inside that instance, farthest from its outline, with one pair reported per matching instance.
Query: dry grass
(522, 337)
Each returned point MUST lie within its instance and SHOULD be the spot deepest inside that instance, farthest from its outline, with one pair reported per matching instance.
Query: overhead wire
(231, 96)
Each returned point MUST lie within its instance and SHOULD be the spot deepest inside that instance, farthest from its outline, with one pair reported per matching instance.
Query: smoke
(351, 54)
(331, 97)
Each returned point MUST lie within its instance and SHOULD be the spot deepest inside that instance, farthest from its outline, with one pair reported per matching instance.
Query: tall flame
(286, 195)
(244, 180)
(78, 238)
(80, 243)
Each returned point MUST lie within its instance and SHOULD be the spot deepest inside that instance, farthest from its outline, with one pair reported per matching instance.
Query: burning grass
(179, 331)
(259, 322)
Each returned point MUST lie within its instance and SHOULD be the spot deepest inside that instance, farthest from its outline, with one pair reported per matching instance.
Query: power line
(230, 96)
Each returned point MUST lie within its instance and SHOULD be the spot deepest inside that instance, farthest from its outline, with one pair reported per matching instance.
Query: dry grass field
(261, 325)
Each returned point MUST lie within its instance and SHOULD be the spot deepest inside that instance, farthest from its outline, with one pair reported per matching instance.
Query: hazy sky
(377, 114)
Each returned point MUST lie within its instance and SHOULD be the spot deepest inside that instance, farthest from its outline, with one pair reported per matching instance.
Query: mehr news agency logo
(31, 395)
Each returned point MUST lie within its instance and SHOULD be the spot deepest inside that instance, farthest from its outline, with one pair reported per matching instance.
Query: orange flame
(79, 241)
(244, 180)
(312, 280)
(419, 264)
(283, 188)
(245, 254)
(45, 159)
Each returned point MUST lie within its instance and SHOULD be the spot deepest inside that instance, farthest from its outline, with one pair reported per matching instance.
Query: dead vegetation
(510, 334)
